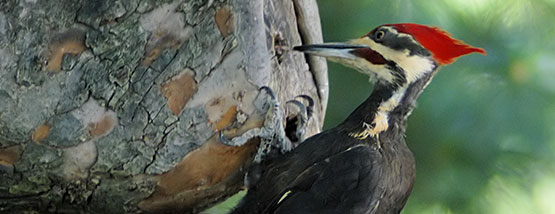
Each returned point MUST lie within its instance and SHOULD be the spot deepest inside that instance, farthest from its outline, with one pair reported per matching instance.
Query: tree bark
(115, 106)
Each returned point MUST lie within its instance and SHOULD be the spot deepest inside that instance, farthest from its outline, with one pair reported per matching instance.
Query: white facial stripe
(414, 66)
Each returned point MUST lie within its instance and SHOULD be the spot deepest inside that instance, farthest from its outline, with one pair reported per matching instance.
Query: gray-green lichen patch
(181, 60)
(35, 162)
(111, 128)
(5, 100)
(3, 25)
(7, 61)
(163, 60)
(120, 196)
(31, 107)
(38, 156)
(28, 73)
(96, 13)
(73, 93)
(122, 45)
(66, 130)
(122, 157)
(87, 122)
(31, 185)
(180, 141)
(206, 50)
(95, 79)
(137, 164)
(196, 11)
(68, 62)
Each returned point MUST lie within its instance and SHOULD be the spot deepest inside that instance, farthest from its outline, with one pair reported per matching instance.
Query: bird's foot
(294, 133)
(273, 134)
(266, 99)
(297, 123)
(285, 138)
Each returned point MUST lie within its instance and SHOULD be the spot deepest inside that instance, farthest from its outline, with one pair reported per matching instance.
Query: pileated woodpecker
(363, 165)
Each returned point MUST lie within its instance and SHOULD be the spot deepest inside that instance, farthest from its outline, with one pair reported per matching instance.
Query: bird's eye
(380, 34)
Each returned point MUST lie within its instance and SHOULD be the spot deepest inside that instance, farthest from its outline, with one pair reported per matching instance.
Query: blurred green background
(483, 132)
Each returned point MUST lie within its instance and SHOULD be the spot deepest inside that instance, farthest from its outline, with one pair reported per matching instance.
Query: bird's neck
(386, 109)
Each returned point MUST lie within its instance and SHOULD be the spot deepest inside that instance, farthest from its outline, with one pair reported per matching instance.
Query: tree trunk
(115, 106)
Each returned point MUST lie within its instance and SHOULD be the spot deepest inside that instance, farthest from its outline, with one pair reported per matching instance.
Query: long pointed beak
(357, 54)
(332, 50)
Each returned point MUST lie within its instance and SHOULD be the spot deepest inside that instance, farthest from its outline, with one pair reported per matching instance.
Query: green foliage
(484, 131)
(227, 205)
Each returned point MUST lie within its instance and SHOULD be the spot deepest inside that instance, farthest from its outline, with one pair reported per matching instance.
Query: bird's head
(395, 54)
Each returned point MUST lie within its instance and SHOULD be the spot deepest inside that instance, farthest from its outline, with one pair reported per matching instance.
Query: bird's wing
(346, 182)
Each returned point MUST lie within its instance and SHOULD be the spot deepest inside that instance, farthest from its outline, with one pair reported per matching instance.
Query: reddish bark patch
(10, 155)
(206, 166)
(102, 127)
(224, 21)
(203, 175)
(226, 119)
(71, 41)
(220, 112)
(162, 41)
(179, 90)
(40, 133)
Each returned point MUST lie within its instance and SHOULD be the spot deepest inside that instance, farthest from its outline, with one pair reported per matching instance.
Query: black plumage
(363, 165)
(333, 172)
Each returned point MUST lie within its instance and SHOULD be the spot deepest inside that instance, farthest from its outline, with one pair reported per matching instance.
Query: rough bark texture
(114, 106)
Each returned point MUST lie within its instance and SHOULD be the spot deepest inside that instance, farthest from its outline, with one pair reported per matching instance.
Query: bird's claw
(256, 132)
(269, 91)
(310, 102)
(226, 140)
(270, 101)
(297, 123)
(273, 133)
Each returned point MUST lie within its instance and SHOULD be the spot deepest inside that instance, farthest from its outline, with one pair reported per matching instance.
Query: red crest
(443, 47)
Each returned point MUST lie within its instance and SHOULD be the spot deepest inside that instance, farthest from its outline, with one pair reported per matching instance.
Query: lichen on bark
(106, 104)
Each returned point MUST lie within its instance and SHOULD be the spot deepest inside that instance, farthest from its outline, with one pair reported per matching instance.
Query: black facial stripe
(398, 73)
(398, 42)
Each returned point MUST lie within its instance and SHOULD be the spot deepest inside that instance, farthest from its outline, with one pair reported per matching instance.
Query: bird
(362, 165)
